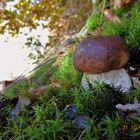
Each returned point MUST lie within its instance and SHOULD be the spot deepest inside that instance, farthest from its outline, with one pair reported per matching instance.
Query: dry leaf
(136, 75)
(134, 70)
(117, 3)
(111, 17)
(54, 81)
(59, 59)
(71, 47)
(128, 2)
(39, 91)
(4, 84)
(98, 31)
(121, 3)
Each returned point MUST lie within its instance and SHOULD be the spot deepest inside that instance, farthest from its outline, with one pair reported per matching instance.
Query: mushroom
(102, 58)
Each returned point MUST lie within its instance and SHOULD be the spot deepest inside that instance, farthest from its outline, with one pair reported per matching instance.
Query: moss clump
(46, 118)
(129, 28)
(93, 22)
(20, 87)
(67, 74)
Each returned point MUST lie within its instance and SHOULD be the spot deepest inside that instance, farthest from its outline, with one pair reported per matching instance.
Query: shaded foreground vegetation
(65, 111)
(54, 114)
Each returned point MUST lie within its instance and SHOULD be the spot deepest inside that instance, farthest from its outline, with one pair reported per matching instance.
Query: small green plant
(20, 87)
(67, 74)
(110, 126)
(96, 19)
(93, 22)
(137, 92)
(128, 29)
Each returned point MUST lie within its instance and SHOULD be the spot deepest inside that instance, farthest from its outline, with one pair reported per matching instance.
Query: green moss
(67, 74)
(46, 117)
(93, 22)
(111, 125)
(42, 74)
(137, 92)
(96, 19)
(129, 28)
(20, 87)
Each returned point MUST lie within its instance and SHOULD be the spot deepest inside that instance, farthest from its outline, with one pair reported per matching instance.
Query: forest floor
(51, 104)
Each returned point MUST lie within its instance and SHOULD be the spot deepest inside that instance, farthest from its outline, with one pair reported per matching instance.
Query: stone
(117, 78)
(22, 102)
(131, 110)
(136, 81)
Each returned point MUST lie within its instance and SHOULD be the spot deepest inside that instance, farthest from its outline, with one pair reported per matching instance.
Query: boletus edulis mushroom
(102, 58)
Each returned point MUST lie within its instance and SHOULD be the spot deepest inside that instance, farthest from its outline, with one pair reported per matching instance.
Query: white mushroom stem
(117, 78)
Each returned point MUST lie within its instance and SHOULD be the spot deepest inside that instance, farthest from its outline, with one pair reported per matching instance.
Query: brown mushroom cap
(100, 54)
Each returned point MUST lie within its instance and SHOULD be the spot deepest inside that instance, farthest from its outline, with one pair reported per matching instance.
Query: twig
(23, 75)
(81, 134)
